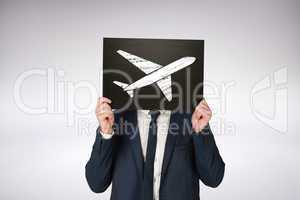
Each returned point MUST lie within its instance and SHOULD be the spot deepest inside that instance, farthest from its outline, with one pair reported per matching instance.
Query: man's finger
(104, 100)
(106, 115)
(103, 106)
(204, 110)
(200, 112)
(203, 107)
(107, 112)
(204, 102)
(194, 120)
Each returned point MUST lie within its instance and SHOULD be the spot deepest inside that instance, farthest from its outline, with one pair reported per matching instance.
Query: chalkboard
(153, 74)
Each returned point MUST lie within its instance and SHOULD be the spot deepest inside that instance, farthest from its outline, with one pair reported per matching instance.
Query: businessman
(153, 155)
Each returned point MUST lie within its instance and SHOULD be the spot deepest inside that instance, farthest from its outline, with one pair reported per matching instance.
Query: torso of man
(163, 122)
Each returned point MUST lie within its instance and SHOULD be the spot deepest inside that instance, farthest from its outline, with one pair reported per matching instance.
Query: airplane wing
(165, 86)
(141, 63)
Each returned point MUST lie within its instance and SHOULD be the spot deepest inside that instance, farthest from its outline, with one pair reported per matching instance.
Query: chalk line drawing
(155, 73)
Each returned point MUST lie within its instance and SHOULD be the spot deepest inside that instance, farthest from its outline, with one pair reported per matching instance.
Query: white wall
(43, 155)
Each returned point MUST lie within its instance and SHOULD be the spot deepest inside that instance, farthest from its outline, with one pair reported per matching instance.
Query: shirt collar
(162, 112)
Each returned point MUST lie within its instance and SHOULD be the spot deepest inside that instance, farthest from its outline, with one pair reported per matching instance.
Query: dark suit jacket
(188, 157)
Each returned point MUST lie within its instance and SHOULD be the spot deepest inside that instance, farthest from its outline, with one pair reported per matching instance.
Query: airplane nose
(190, 59)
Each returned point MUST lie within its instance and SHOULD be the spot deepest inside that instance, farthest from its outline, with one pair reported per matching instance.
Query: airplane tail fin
(123, 86)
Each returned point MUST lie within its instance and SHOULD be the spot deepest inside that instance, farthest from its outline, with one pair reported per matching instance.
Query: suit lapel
(170, 143)
(135, 141)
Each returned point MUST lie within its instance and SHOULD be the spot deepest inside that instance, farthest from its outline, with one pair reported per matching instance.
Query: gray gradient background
(43, 158)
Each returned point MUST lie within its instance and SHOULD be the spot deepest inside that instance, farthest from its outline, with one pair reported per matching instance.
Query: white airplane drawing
(155, 73)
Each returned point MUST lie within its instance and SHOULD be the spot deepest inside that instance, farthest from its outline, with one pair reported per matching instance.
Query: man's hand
(105, 115)
(201, 116)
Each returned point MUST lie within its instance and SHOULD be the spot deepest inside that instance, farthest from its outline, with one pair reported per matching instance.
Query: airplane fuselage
(161, 73)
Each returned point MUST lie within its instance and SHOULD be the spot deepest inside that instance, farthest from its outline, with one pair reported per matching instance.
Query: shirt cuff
(205, 131)
(106, 136)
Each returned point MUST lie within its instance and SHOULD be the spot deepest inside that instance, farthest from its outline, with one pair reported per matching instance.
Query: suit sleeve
(98, 170)
(209, 164)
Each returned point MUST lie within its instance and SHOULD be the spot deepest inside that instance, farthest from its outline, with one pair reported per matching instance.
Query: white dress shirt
(163, 122)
